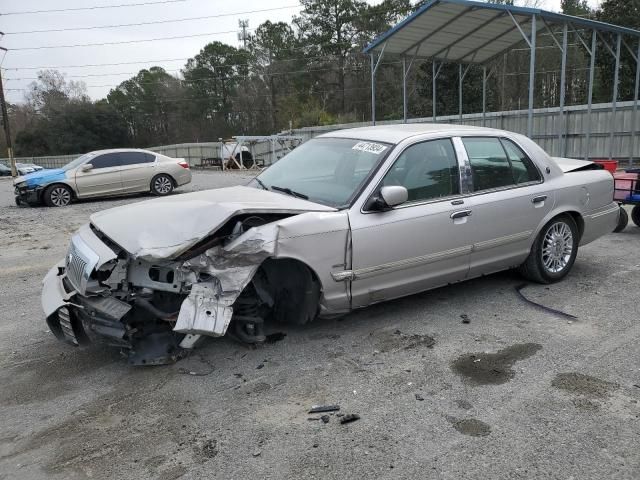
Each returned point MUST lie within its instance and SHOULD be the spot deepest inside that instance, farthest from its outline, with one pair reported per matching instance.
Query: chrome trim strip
(496, 242)
(606, 212)
(400, 264)
(431, 258)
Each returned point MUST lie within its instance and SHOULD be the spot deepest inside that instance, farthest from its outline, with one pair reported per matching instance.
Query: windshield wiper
(288, 191)
(261, 183)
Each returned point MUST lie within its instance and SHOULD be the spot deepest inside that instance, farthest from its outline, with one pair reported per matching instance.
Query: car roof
(397, 132)
(119, 150)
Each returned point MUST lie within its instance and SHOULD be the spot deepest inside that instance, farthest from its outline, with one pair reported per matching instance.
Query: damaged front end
(154, 309)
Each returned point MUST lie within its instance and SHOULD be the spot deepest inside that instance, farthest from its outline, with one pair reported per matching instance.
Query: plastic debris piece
(324, 408)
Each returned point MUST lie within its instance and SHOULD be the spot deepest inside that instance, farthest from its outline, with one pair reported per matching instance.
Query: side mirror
(389, 197)
(394, 195)
(87, 167)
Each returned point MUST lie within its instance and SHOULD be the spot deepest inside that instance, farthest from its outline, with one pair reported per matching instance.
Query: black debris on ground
(275, 337)
(465, 318)
(539, 306)
(350, 417)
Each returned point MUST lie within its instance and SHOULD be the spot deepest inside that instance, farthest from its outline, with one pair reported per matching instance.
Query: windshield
(78, 161)
(329, 171)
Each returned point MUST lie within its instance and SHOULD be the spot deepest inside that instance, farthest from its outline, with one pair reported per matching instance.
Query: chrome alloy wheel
(60, 196)
(162, 185)
(557, 247)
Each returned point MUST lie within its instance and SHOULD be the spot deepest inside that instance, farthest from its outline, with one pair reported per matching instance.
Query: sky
(22, 62)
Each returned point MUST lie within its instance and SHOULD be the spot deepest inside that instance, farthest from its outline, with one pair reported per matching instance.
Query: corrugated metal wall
(546, 127)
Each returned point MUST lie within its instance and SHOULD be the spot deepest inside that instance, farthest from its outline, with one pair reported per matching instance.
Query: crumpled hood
(163, 228)
(42, 177)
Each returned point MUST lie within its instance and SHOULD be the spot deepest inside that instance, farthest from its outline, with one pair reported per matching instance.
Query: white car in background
(102, 173)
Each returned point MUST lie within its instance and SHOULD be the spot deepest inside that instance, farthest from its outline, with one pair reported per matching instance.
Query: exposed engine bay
(155, 309)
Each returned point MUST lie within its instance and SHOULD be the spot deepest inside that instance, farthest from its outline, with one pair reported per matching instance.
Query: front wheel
(57, 196)
(162, 185)
(554, 251)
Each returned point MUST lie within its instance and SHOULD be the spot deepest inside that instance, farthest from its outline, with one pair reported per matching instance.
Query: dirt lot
(517, 392)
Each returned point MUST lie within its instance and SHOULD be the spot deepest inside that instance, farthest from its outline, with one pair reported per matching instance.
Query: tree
(625, 13)
(273, 50)
(60, 119)
(329, 27)
(150, 103)
(211, 80)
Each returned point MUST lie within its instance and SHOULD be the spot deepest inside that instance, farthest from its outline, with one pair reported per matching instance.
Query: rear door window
(134, 158)
(490, 166)
(106, 160)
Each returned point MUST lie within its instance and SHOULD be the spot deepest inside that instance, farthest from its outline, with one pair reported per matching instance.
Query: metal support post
(374, 68)
(532, 78)
(433, 90)
(563, 79)
(590, 93)
(7, 128)
(634, 113)
(484, 95)
(404, 89)
(461, 75)
(460, 91)
(434, 75)
(614, 101)
(373, 91)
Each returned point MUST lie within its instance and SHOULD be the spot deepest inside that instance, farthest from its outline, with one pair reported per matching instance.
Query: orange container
(609, 165)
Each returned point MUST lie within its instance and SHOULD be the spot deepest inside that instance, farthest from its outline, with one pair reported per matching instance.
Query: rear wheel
(623, 220)
(635, 215)
(161, 185)
(554, 251)
(57, 196)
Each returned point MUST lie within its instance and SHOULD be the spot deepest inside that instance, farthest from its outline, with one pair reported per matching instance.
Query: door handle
(538, 199)
(460, 214)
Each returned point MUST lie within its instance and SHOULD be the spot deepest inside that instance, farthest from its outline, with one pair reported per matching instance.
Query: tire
(554, 251)
(623, 220)
(57, 195)
(162, 185)
(635, 215)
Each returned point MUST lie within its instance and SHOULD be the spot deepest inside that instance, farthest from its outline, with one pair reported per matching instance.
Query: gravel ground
(467, 381)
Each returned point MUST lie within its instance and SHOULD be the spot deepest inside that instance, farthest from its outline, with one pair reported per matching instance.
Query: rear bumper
(184, 177)
(600, 222)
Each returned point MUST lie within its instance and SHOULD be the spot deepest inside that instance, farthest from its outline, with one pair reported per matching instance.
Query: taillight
(184, 165)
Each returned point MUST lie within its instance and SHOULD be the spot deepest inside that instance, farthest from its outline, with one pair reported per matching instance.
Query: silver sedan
(346, 220)
(103, 173)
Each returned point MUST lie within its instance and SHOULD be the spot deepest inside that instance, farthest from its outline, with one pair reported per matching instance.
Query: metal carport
(474, 33)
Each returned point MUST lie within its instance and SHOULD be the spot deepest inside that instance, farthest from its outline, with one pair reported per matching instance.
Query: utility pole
(5, 123)
(242, 34)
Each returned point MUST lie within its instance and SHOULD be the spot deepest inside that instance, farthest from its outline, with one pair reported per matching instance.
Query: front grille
(76, 267)
(64, 317)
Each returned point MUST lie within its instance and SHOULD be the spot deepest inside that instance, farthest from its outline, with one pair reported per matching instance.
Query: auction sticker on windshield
(369, 147)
